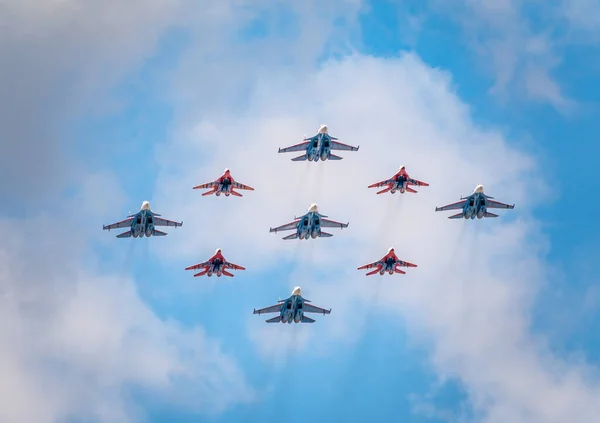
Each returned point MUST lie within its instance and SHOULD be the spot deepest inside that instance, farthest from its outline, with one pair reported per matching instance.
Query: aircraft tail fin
(402, 272)
(291, 236)
(306, 319)
(409, 189)
(456, 216)
(275, 319)
(209, 192)
(372, 272)
(204, 272)
(488, 214)
(237, 194)
(334, 157)
(301, 158)
(325, 235)
(159, 233)
(384, 190)
(124, 234)
(226, 273)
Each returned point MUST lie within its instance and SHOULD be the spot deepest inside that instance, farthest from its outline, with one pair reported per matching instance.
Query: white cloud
(78, 341)
(471, 295)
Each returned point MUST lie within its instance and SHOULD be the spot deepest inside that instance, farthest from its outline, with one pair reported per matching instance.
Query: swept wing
(159, 221)
(286, 227)
(491, 204)
(454, 206)
(271, 309)
(326, 223)
(122, 224)
(309, 308)
(298, 147)
(335, 145)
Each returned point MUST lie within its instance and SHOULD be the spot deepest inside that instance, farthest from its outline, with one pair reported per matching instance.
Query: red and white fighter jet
(225, 184)
(399, 182)
(388, 263)
(216, 264)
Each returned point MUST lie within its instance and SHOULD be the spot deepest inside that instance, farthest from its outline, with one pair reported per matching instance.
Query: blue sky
(494, 325)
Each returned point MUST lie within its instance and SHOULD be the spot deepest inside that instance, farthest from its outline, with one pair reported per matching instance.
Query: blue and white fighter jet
(292, 309)
(318, 147)
(309, 225)
(475, 205)
(142, 223)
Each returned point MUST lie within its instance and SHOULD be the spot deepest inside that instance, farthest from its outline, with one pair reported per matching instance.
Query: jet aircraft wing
(341, 146)
(159, 221)
(405, 264)
(286, 227)
(381, 183)
(298, 147)
(122, 224)
(241, 186)
(326, 223)
(417, 182)
(198, 266)
(377, 263)
(309, 308)
(234, 266)
(491, 204)
(453, 206)
(207, 185)
(271, 309)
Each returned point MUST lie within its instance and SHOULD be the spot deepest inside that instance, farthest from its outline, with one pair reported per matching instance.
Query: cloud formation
(471, 296)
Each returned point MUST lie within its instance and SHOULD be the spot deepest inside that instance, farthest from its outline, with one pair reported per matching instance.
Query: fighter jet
(225, 184)
(292, 309)
(216, 264)
(318, 147)
(142, 223)
(309, 225)
(475, 205)
(388, 263)
(399, 182)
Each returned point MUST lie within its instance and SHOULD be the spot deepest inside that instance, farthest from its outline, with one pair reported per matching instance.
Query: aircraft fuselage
(319, 148)
(309, 226)
(292, 310)
(224, 187)
(400, 184)
(142, 224)
(475, 206)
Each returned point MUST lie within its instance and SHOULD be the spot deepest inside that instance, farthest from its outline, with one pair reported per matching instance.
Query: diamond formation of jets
(389, 263)
(318, 147)
(225, 184)
(309, 225)
(475, 205)
(216, 264)
(142, 223)
(292, 309)
(399, 182)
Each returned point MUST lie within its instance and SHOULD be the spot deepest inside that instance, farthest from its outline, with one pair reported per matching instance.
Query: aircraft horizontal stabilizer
(302, 158)
(456, 216)
(159, 233)
(291, 236)
(334, 157)
(325, 235)
(306, 319)
(124, 235)
(275, 319)
(488, 214)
